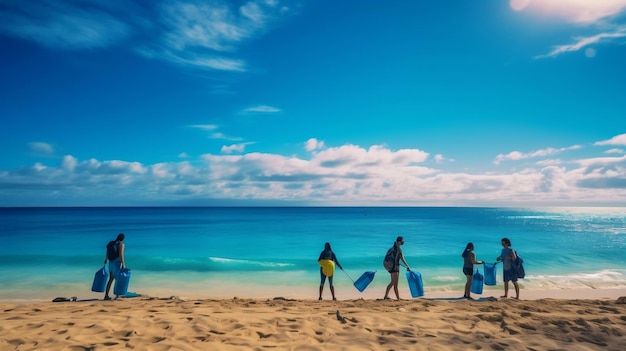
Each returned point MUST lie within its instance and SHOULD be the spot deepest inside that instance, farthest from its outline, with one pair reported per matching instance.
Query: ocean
(218, 252)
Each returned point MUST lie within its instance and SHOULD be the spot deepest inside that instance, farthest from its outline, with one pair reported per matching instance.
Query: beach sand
(434, 323)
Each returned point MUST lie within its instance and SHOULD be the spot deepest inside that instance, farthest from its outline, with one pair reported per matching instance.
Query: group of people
(507, 256)
(394, 256)
(115, 257)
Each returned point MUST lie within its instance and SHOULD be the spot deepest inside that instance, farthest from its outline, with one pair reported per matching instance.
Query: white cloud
(219, 135)
(584, 42)
(593, 16)
(313, 144)
(199, 60)
(616, 140)
(195, 34)
(201, 25)
(615, 151)
(201, 34)
(601, 161)
(261, 109)
(516, 155)
(253, 12)
(41, 147)
(183, 155)
(439, 158)
(227, 149)
(576, 11)
(347, 174)
(204, 126)
(64, 24)
(351, 157)
(69, 163)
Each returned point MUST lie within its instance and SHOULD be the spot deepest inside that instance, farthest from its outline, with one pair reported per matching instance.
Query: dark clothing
(468, 259)
(330, 255)
(392, 259)
(468, 262)
(323, 278)
(113, 250)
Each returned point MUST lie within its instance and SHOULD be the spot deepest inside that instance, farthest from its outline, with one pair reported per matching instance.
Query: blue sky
(313, 102)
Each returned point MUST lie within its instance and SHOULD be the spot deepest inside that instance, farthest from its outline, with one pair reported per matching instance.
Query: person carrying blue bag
(469, 260)
(392, 265)
(115, 256)
(507, 257)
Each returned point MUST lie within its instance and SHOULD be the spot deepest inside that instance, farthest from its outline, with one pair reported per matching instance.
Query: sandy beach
(592, 322)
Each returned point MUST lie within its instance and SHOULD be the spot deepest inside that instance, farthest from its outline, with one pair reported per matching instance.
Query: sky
(313, 103)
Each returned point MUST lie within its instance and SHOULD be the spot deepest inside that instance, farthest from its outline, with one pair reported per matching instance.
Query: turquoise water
(48, 252)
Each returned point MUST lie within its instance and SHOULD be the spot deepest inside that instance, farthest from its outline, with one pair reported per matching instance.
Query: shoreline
(370, 294)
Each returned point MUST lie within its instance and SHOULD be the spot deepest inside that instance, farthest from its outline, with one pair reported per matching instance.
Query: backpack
(518, 266)
(113, 250)
(390, 259)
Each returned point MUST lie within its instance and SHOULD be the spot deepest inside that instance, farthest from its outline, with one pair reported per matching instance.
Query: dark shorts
(395, 270)
(468, 270)
(510, 275)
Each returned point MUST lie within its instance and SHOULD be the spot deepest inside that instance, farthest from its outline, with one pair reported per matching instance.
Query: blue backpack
(518, 266)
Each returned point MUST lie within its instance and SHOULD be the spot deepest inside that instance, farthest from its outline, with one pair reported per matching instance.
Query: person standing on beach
(392, 265)
(510, 275)
(327, 254)
(115, 256)
(469, 260)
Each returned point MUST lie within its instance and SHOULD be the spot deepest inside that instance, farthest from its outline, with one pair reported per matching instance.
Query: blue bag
(415, 283)
(518, 266)
(121, 282)
(477, 283)
(364, 280)
(490, 274)
(100, 280)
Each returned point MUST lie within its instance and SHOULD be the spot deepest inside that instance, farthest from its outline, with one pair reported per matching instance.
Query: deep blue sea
(273, 251)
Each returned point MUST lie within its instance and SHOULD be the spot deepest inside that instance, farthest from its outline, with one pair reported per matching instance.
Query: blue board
(364, 280)
(100, 280)
(121, 282)
(490, 274)
(415, 283)
(477, 283)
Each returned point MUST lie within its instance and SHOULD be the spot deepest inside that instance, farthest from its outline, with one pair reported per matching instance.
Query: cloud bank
(343, 175)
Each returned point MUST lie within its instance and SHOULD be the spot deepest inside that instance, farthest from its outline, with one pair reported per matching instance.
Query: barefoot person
(327, 254)
(115, 257)
(392, 265)
(510, 275)
(469, 260)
